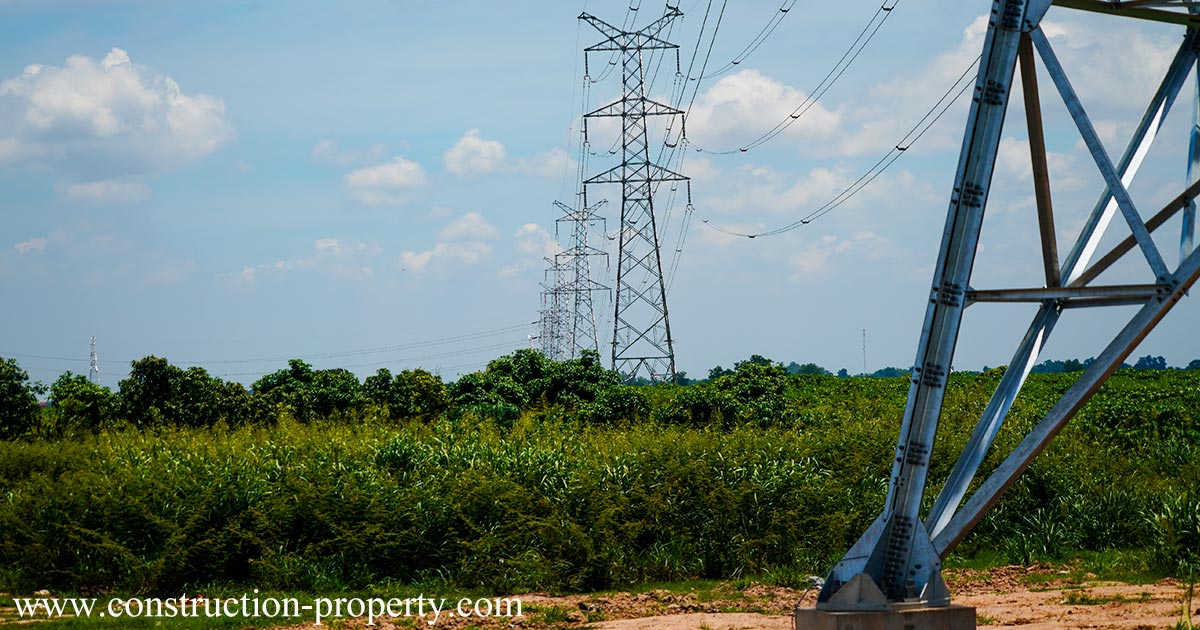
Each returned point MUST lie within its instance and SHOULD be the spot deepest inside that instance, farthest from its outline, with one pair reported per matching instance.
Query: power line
(772, 24)
(512, 345)
(914, 134)
(327, 355)
(831, 78)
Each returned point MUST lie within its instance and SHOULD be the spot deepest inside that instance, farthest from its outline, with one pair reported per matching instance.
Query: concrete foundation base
(940, 618)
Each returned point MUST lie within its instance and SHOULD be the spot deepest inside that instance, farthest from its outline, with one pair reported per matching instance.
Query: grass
(1085, 598)
(546, 501)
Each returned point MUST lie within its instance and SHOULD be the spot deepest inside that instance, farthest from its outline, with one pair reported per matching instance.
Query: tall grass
(551, 500)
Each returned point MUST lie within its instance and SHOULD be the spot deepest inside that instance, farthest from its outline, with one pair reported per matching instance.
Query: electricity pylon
(641, 344)
(94, 364)
(576, 260)
(554, 318)
(896, 564)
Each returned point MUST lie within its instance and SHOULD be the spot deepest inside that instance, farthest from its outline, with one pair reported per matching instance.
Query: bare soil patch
(1029, 598)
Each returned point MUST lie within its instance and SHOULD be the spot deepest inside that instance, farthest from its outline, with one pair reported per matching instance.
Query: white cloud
(332, 256)
(817, 257)
(170, 272)
(533, 240)
(889, 109)
(465, 254)
(550, 164)
(462, 242)
(750, 101)
(104, 191)
(327, 151)
(533, 245)
(469, 227)
(35, 244)
(1133, 62)
(93, 120)
(473, 154)
(390, 183)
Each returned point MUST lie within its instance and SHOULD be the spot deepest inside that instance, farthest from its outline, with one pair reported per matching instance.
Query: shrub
(19, 408)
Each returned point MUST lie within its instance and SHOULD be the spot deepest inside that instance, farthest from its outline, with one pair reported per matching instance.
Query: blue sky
(370, 184)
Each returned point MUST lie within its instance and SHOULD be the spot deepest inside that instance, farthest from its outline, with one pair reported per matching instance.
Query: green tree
(718, 372)
(19, 408)
(1149, 362)
(158, 393)
(408, 394)
(527, 378)
(77, 403)
(807, 368)
(309, 393)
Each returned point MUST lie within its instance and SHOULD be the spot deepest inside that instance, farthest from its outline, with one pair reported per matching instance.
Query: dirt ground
(1029, 598)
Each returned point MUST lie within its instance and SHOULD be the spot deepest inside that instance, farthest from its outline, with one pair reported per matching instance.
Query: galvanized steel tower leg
(896, 563)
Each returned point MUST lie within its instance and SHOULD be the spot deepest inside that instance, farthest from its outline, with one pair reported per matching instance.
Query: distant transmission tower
(94, 361)
(554, 316)
(641, 344)
(578, 287)
(864, 352)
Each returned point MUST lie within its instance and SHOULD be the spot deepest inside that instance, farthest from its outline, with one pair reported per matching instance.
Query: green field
(552, 477)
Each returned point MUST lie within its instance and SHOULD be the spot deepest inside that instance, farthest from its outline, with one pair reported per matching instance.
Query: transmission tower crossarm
(652, 29)
(638, 106)
(656, 173)
(608, 30)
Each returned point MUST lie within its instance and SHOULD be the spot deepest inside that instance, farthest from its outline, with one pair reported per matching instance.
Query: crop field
(539, 476)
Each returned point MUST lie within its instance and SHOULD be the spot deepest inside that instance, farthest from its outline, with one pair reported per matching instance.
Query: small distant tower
(94, 369)
(864, 352)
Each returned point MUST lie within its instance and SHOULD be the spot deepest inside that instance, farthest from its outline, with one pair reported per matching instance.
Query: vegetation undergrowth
(535, 476)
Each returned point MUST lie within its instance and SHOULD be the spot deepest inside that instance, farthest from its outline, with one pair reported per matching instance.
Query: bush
(19, 408)
(78, 404)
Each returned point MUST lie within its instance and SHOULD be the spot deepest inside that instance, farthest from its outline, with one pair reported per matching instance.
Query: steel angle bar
(1188, 230)
(1100, 303)
(1037, 156)
(1096, 147)
(1184, 199)
(992, 419)
(1135, 152)
(1152, 311)
(1123, 9)
(1123, 291)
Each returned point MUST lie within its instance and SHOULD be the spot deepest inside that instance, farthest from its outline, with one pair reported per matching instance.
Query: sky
(371, 184)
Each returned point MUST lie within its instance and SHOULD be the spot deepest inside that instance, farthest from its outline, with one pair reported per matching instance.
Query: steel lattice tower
(94, 364)
(554, 319)
(896, 564)
(578, 285)
(641, 344)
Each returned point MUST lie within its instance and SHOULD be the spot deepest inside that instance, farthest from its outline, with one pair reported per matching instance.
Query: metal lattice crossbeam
(897, 562)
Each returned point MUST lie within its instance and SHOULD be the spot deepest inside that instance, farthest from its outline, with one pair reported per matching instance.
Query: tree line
(157, 393)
